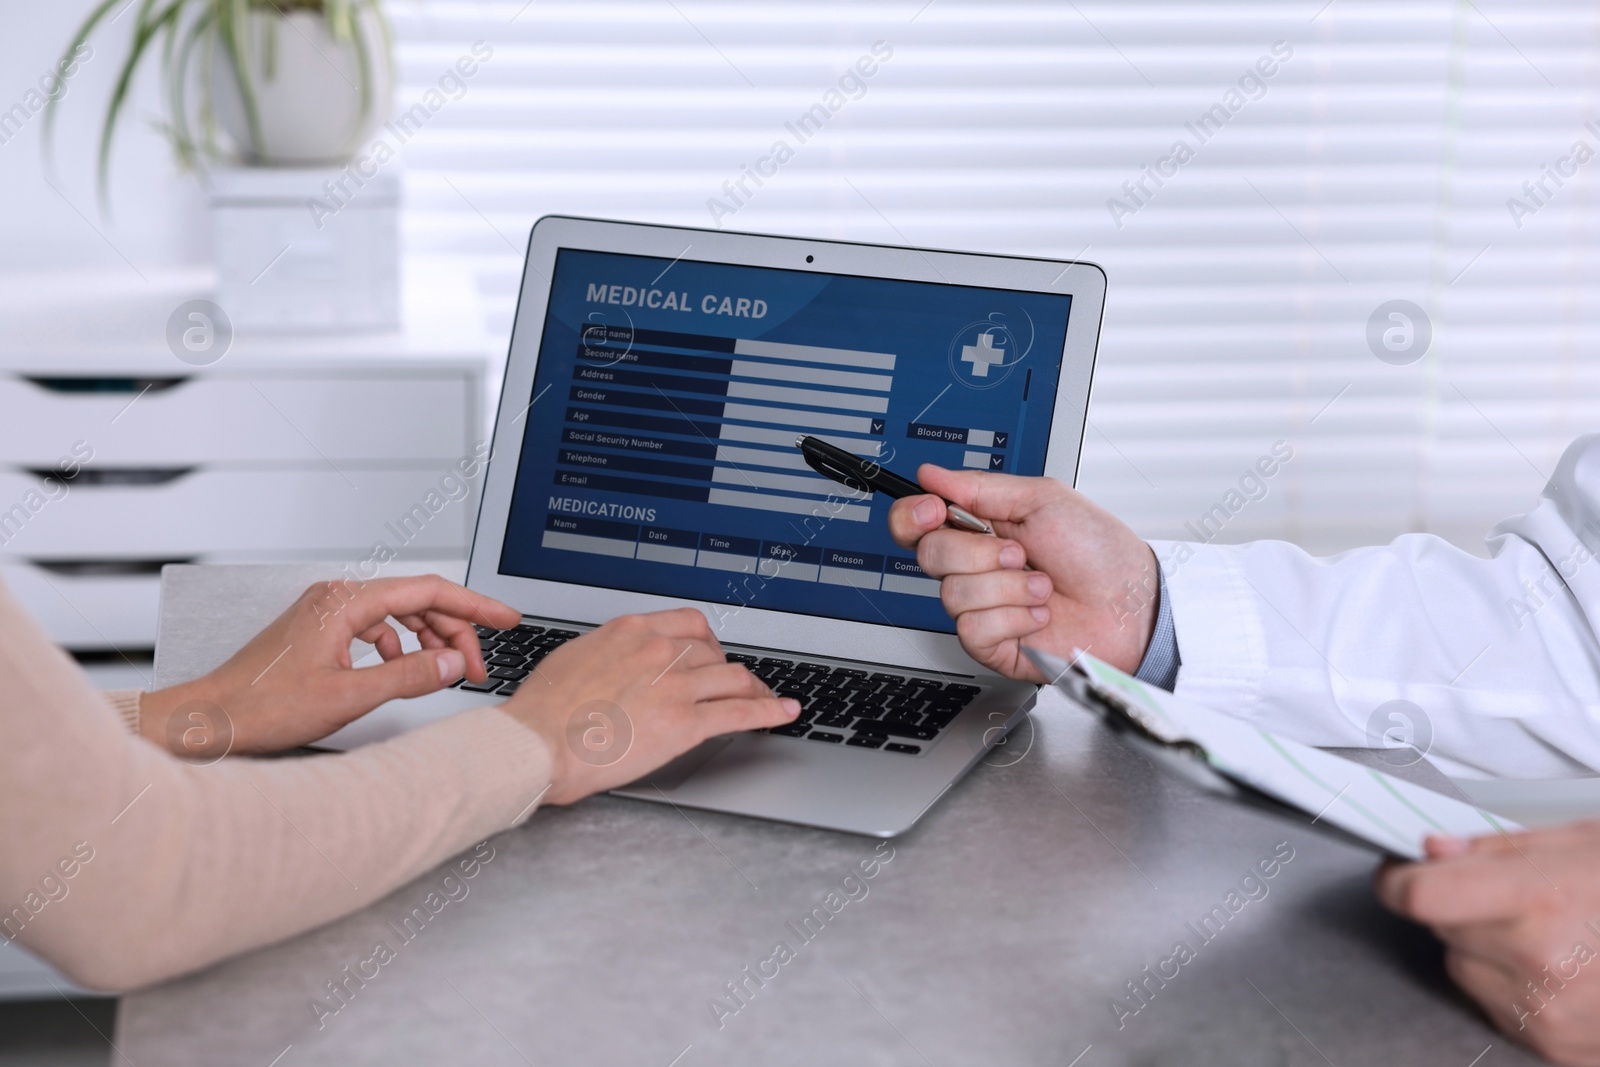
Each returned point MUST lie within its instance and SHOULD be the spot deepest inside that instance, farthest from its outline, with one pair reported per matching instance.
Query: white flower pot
(307, 90)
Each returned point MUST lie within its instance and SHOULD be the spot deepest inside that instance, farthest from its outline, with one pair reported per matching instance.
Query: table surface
(1004, 930)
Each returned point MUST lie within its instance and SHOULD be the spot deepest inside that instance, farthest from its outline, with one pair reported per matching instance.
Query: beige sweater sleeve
(122, 865)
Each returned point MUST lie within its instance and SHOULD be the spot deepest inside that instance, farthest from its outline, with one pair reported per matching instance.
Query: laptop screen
(658, 452)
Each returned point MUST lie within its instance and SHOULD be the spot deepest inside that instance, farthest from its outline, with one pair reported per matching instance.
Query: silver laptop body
(644, 459)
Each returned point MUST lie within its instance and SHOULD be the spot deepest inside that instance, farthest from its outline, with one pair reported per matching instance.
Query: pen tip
(798, 441)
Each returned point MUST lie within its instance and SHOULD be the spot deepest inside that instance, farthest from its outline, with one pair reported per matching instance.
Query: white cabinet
(289, 447)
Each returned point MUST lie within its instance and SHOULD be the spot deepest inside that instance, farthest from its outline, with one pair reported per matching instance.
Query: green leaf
(233, 27)
(78, 39)
(144, 31)
(183, 140)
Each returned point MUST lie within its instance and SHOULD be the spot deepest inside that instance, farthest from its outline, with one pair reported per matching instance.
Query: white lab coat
(1500, 655)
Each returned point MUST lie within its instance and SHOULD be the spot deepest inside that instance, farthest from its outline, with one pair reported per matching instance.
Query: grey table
(1003, 931)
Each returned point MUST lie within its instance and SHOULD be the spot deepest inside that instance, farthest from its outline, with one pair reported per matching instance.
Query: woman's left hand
(294, 684)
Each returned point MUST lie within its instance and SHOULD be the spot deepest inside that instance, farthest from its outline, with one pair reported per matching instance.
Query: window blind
(1418, 152)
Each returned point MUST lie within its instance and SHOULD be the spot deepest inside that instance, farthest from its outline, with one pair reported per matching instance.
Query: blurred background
(1377, 164)
(1361, 230)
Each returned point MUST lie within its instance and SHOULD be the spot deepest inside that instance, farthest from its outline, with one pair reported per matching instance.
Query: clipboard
(1237, 760)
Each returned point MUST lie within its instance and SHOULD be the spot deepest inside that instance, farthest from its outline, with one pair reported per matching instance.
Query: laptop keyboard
(838, 705)
(511, 655)
(860, 708)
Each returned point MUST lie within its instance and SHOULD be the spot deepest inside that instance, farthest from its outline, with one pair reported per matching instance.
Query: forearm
(188, 863)
(193, 864)
(247, 852)
(1315, 647)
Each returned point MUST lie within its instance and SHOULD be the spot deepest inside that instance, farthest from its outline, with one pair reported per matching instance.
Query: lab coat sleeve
(1497, 658)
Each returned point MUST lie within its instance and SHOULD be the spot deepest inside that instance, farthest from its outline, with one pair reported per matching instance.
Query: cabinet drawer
(233, 420)
(89, 612)
(240, 514)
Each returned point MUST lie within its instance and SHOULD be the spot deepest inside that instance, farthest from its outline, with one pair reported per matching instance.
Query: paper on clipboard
(1389, 813)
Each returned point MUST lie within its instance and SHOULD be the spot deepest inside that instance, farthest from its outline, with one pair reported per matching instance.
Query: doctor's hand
(1516, 913)
(1094, 585)
(617, 703)
(293, 683)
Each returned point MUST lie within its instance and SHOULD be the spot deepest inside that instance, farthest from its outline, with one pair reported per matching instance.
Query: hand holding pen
(1059, 574)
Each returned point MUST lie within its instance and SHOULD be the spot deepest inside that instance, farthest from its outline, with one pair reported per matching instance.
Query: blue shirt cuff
(1161, 660)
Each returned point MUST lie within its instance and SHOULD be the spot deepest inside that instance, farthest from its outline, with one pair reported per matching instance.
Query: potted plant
(285, 82)
(281, 95)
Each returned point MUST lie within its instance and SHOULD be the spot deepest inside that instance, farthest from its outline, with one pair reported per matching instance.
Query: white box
(307, 250)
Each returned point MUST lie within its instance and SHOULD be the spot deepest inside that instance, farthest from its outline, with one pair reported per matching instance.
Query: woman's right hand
(616, 704)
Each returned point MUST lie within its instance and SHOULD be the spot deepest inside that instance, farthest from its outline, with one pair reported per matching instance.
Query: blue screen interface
(658, 450)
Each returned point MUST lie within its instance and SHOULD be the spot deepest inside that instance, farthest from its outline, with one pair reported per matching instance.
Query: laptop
(644, 458)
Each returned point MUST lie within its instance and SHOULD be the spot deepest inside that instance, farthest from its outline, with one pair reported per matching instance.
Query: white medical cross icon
(983, 355)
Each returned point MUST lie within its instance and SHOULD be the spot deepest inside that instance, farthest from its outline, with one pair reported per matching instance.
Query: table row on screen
(740, 555)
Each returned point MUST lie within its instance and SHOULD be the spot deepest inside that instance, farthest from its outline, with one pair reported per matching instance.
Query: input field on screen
(817, 398)
(814, 354)
(790, 505)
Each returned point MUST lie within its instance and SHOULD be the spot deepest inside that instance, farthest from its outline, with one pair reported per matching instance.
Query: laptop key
(818, 735)
(910, 750)
(504, 660)
(865, 741)
(794, 729)
(509, 688)
(509, 674)
(903, 715)
(894, 729)
(968, 691)
(482, 687)
(836, 720)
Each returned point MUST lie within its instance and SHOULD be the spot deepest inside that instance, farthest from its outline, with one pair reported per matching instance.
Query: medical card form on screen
(659, 450)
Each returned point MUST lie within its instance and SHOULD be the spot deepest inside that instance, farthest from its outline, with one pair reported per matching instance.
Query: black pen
(867, 476)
